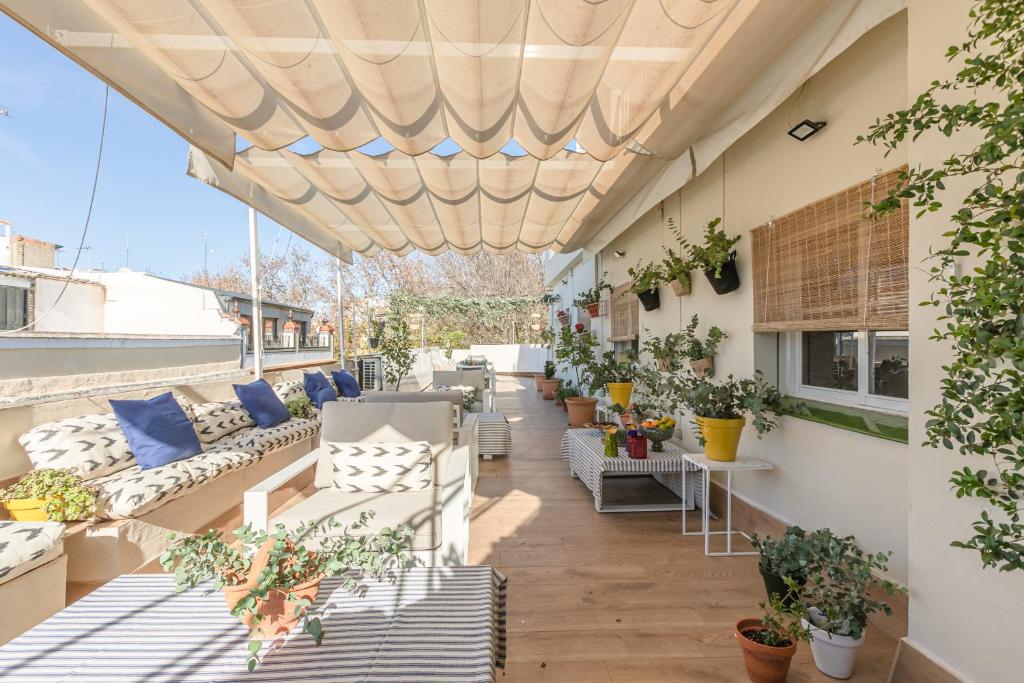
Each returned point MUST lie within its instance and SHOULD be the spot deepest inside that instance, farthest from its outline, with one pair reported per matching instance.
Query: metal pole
(341, 311)
(257, 305)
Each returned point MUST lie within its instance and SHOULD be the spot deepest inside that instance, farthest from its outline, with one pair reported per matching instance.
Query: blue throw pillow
(158, 430)
(324, 395)
(260, 401)
(318, 388)
(347, 384)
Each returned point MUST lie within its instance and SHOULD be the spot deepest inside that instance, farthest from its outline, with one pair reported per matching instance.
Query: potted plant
(566, 391)
(549, 385)
(590, 299)
(769, 643)
(701, 352)
(375, 332)
(301, 407)
(717, 258)
(791, 558)
(614, 376)
(270, 580)
(676, 269)
(838, 604)
(563, 318)
(720, 411)
(57, 495)
(645, 281)
(666, 352)
(625, 413)
(576, 352)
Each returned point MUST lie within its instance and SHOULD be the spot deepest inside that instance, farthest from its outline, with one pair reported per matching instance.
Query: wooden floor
(610, 597)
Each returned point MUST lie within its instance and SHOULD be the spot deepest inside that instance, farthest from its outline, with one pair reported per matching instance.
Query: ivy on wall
(475, 320)
(981, 413)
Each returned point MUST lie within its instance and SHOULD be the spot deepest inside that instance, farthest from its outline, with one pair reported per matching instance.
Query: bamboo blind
(830, 266)
(625, 314)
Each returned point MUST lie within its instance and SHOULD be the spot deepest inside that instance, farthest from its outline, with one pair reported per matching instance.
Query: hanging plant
(981, 413)
(717, 258)
(590, 299)
(645, 281)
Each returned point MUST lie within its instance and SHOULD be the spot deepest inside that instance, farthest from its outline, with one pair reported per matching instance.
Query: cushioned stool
(33, 573)
(495, 435)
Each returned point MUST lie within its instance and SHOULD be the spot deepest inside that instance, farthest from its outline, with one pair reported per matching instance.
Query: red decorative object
(636, 447)
(579, 328)
(594, 309)
(563, 318)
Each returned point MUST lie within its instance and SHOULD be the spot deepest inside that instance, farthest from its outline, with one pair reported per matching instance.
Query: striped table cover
(584, 449)
(494, 435)
(432, 624)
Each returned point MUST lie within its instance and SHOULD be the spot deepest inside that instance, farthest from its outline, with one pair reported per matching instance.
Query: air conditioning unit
(370, 373)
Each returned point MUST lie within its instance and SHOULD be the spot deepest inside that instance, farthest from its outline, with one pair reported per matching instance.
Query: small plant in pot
(769, 643)
(717, 258)
(791, 558)
(614, 376)
(676, 267)
(549, 385)
(701, 352)
(668, 353)
(645, 281)
(563, 318)
(376, 331)
(575, 351)
(271, 580)
(56, 495)
(590, 299)
(837, 600)
(720, 410)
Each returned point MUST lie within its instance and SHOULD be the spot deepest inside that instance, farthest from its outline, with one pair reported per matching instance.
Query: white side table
(706, 467)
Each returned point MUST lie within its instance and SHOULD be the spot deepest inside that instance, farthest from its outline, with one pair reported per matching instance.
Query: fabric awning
(634, 82)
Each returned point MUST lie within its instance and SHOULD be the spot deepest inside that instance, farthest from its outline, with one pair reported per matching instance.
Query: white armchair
(438, 515)
(468, 378)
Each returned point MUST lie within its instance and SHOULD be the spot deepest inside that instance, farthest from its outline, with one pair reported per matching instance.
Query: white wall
(80, 308)
(824, 476)
(512, 357)
(138, 303)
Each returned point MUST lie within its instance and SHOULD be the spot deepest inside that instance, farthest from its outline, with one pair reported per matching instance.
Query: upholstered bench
(33, 571)
(494, 435)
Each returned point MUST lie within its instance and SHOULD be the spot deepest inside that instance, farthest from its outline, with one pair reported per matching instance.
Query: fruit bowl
(658, 435)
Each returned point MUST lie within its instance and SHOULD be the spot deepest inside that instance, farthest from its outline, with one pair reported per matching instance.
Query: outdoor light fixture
(805, 129)
(619, 253)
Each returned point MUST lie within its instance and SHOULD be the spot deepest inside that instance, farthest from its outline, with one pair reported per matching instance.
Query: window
(625, 315)
(13, 307)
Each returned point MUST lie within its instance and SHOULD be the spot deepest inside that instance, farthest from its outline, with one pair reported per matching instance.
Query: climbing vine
(981, 413)
(479, 320)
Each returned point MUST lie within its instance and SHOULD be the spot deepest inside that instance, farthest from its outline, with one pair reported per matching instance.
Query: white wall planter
(834, 655)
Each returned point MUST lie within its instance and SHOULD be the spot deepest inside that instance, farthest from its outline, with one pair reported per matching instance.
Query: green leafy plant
(575, 352)
(549, 369)
(668, 353)
(837, 596)
(794, 555)
(396, 348)
(468, 399)
(566, 390)
(780, 622)
(313, 550)
(376, 328)
(696, 348)
(981, 413)
(677, 265)
(69, 497)
(548, 298)
(301, 407)
(716, 250)
(592, 296)
(730, 399)
(608, 369)
(645, 278)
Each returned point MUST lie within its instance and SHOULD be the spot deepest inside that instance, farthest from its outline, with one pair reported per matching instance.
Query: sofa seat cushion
(27, 545)
(272, 438)
(290, 390)
(214, 421)
(92, 446)
(420, 510)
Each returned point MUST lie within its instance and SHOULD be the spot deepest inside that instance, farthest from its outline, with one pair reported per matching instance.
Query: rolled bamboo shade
(831, 266)
(625, 314)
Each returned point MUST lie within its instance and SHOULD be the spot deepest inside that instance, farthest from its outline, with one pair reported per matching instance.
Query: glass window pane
(830, 360)
(889, 363)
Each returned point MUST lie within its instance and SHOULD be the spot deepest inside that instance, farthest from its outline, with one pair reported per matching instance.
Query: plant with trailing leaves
(68, 497)
(696, 348)
(677, 264)
(794, 555)
(729, 399)
(610, 369)
(780, 622)
(376, 328)
(396, 348)
(313, 550)
(645, 278)
(981, 413)
(301, 407)
(668, 353)
(716, 250)
(575, 352)
(592, 296)
(566, 390)
(549, 369)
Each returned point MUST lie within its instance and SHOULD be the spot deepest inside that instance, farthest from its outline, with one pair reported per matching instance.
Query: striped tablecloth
(584, 449)
(494, 435)
(432, 624)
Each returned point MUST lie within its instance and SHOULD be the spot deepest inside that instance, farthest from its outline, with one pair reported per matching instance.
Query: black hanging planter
(374, 341)
(729, 281)
(650, 299)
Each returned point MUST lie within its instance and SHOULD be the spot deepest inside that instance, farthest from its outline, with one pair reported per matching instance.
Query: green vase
(611, 445)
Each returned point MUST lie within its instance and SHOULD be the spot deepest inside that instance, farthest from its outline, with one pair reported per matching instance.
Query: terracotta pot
(703, 367)
(721, 437)
(764, 664)
(565, 406)
(681, 287)
(581, 410)
(549, 387)
(537, 379)
(28, 509)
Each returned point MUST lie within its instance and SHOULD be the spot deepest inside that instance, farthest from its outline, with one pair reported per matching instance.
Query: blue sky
(47, 157)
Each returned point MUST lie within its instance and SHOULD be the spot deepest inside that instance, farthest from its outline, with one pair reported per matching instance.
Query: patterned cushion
(272, 438)
(381, 467)
(216, 420)
(92, 446)
(287, 391)
(27, 545)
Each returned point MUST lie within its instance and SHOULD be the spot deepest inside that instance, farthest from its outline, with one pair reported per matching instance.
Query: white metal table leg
(728, 512)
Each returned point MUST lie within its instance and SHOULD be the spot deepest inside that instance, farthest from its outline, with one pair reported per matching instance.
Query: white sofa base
(32, 597)
(102, 551)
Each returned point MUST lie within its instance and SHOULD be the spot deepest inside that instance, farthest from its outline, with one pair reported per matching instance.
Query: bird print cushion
(92, 446)
(214, 421)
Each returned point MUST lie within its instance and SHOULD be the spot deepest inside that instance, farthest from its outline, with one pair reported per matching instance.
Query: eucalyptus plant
(730, 399)
(312, 550)
(68, 497)
(592, 296)
(716, 250)
(696, 348)
(677, 265)
(668, 352)
(793, 556)
(610, 370)
(645, 278)
(301, 407)
(981, 413)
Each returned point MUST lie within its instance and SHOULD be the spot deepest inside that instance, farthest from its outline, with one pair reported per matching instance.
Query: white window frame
(862, 398)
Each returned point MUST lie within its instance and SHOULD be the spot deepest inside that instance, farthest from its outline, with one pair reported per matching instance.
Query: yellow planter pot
(620, 392)
(28, 509)
(721, 437)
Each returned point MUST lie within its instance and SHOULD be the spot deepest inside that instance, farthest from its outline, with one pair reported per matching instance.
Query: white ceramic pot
(834, 655)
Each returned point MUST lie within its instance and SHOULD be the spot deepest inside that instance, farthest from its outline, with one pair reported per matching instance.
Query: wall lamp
(805, 129)
(619, 253)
